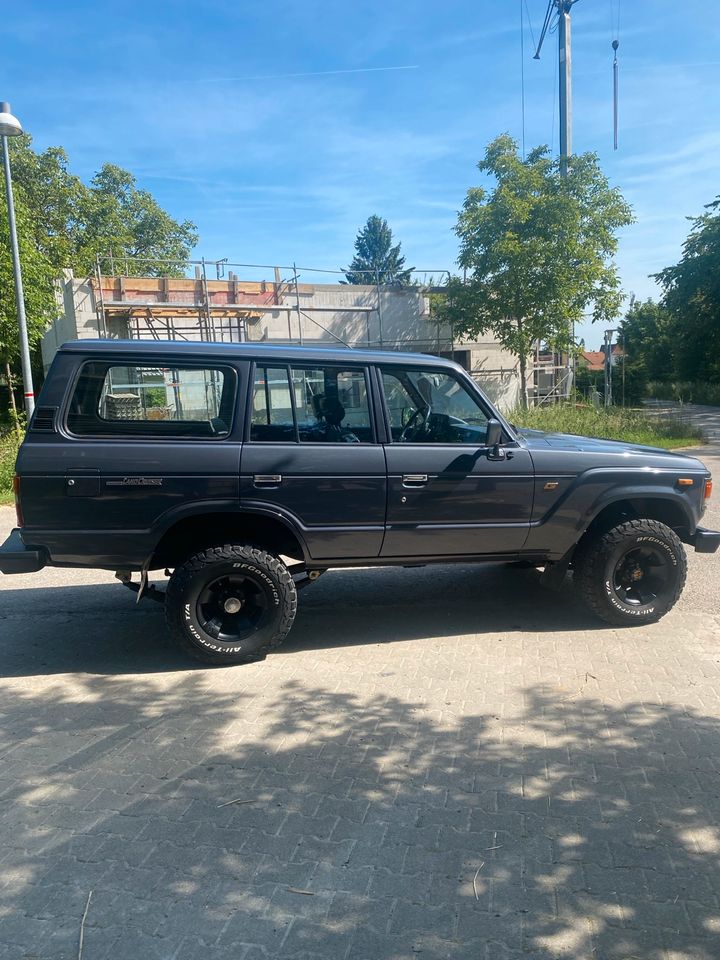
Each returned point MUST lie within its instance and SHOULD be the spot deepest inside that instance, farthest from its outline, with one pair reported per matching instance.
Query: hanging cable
(615, 28)
(615, 45)
(529, 20)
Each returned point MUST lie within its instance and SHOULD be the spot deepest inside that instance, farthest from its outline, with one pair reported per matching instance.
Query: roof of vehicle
(246, 351)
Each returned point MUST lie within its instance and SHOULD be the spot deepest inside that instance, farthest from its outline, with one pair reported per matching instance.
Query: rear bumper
(705, 541)
(15, 557)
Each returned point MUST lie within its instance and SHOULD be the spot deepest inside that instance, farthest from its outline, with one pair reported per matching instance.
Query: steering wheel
(405, 434)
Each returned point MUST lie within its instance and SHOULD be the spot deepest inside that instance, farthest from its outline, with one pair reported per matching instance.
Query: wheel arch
(670, 510)
(192, 533)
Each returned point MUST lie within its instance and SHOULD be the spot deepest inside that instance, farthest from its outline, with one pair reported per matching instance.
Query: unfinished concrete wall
(347, 314)
(77, 317)
(497, 372)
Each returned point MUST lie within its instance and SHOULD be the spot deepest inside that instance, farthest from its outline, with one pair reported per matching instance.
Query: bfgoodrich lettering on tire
(632, 574)
(230, 604)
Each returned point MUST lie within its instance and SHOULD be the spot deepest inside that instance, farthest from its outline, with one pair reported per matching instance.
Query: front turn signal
(708, 488)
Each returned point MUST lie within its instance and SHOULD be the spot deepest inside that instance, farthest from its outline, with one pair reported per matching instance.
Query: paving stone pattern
(441, 763)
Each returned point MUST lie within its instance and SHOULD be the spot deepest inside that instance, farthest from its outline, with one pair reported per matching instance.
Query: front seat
(333, 414)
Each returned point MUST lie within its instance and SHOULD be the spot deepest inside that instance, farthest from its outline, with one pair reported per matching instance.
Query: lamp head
(10, 126)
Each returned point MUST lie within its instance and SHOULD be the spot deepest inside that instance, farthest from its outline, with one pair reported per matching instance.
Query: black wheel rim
(232, 608)
(643, 575)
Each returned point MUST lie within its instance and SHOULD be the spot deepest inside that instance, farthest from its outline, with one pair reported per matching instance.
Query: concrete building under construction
(234, 310)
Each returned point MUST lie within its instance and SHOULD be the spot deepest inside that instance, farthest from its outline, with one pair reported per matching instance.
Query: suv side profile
(245, 471)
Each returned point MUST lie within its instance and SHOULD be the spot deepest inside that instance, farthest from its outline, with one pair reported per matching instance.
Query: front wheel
(632, 574)
(230, 604)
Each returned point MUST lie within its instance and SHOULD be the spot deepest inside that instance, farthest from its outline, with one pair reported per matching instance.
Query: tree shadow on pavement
(98, 628)
(380, 826)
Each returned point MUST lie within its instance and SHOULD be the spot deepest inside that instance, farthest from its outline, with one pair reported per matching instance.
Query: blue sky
(277, 128)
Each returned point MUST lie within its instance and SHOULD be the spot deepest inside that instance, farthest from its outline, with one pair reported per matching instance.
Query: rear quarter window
(152, 400)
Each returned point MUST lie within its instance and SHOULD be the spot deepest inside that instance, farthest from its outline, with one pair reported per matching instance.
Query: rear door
(448, 493)
(311, 455)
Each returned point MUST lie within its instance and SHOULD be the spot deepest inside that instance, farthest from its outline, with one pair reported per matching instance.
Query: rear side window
(272, 413)
(154, 401)
(310, 405)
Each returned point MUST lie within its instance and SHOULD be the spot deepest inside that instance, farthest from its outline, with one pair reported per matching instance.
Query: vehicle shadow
(392, 604)
(99, 629)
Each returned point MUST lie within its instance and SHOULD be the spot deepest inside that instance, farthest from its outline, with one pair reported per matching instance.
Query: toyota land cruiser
(244, 471)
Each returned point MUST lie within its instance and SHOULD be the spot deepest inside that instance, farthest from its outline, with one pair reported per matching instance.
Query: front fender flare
(558, 532)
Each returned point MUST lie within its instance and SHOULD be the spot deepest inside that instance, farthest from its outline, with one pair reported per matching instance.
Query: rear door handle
(267, 479)
(414, 479)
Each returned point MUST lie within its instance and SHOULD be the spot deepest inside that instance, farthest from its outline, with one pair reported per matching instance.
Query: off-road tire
(266, 577)
(597, 566)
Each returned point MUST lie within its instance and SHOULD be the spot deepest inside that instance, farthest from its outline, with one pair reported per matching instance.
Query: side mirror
(493, 434)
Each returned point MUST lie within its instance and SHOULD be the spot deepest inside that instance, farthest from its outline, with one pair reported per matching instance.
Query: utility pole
(565, 86)
(562, 8)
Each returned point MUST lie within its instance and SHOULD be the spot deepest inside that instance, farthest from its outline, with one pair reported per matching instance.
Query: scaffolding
(205, 300)
(142, 299)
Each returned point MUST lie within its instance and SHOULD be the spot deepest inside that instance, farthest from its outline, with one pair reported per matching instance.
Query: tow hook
(305, 579)
(143, 588)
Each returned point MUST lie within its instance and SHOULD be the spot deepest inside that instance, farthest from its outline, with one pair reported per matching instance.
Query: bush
(683, 391)
(615, 423)
(9, 444)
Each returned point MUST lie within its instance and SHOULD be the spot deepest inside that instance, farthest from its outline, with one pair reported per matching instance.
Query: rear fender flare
(220, 507)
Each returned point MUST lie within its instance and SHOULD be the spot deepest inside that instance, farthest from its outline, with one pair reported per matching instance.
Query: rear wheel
(230, 604)
(632, 574)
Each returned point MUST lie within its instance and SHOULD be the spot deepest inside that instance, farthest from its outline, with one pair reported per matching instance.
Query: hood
(539, 439)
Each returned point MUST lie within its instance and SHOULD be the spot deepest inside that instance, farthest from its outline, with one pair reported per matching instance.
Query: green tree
(646, 336)
(376, 258)
(41, 241)
(63, 222)
(692, 296)
(536, 250)
(119, 218)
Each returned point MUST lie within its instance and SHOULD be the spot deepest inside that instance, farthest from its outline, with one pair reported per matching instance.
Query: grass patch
(633, 426)
(9, 444)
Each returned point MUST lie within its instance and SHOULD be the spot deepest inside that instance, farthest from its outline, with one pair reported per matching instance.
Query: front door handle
(498, 453)
(414, 479)
(267, 479)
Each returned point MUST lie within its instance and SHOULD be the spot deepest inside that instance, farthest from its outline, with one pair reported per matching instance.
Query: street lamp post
(608, 365)
(10, 127)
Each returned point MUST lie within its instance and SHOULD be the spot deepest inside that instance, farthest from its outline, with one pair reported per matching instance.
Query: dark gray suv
(246, 470)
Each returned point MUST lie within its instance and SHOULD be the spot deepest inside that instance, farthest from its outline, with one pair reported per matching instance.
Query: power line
(529, 20)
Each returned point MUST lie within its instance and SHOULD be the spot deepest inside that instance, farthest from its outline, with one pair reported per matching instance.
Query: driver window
(431, 406)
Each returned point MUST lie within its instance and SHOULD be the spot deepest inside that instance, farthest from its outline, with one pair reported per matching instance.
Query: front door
(311, 455)
(448, 493)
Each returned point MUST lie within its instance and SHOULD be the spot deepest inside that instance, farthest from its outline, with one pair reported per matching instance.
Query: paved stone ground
(441, 763)
(707, 418)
